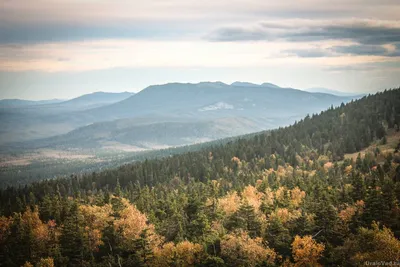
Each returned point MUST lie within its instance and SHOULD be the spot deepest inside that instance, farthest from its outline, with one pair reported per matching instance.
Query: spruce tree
(143, 252)
(71, 239)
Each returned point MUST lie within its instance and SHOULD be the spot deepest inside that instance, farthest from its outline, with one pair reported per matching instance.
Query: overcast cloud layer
(284, 42)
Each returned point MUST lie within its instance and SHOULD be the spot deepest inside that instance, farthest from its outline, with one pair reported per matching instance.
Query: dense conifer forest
(295, 196)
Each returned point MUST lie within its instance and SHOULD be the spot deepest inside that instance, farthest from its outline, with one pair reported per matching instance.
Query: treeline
(49, 169)
(286, 197)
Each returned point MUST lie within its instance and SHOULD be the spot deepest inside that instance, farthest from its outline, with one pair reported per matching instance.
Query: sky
(66, 48)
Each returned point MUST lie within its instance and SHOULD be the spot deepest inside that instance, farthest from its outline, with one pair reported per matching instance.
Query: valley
(323, 185)
(104, 129)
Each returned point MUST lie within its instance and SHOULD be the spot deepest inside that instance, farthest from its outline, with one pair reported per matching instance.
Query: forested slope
(284, 197)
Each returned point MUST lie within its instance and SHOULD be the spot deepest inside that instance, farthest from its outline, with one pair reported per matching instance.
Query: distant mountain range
(22, 103)
(332, 92)
(160, 115)
(216, 99)
(311, 90)
(247, 84)
(95, 100)
(85, 101)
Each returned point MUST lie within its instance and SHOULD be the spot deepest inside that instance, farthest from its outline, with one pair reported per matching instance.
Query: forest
(293, 196)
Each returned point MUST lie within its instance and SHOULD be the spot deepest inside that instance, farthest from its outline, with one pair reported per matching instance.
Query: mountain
(94, 100)
(11, 103)
(244, 84)
(332, 92)
(43, 119)
(321, 192)
(204, 111)
(216, 99)
(247, 84)
(266, 106)
(83, 102)
(270, 85)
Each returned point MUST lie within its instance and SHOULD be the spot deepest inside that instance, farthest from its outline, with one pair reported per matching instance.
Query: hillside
(216, 99)
(332, 92)
(266, 106)
(18, 103)
(93, 100)
(385, 147)
(35, 141)
(145, 134)
(43, 119)
(82, 102)
(284, 197)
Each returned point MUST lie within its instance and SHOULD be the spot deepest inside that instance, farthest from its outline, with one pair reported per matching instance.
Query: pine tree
(32, 200)
(374, 206)
(391, 217)
(246, 219)
(198, 224)
(278, 237)
(19, 246)
(326, 220)
(118, 191)
(359, 190)
(143, 252)
(71, 239)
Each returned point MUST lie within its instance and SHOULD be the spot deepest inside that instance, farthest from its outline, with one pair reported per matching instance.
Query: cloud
(63, 59)
(227, 34)
(51, 32)
(99, 34)
(359, 67)
(317, 41)
(372, 32)
(346, 50)
(110, 53)
(308, 53)
(88, 11)
(390, 66)
(370, 50)
(53, 20)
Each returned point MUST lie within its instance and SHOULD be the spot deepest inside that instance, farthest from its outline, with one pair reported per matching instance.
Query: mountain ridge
(269, 105)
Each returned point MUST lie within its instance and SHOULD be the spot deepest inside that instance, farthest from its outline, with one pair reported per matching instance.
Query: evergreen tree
(278, 237)
(143, 252)
(246, 219)
(71, 239)
(359, 189)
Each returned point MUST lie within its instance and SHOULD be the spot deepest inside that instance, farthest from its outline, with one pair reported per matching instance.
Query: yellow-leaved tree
(131, 223)
(306, 251)
(5, 231)
(182, 254)
(96, 218)
(43, 262)
(372, 245)
(38, 232)
(253, 197)
(241, 250)
(230, 203)
(46, 262)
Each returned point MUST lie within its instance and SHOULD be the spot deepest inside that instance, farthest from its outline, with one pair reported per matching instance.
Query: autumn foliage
(241, 250)
(306, 251)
